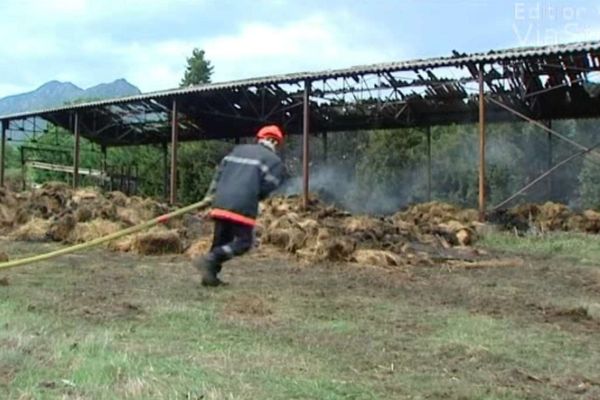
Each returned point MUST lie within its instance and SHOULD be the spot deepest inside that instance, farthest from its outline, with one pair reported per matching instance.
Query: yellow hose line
(108, 238)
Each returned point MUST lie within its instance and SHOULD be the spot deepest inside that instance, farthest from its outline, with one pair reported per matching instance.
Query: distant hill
(55, 93)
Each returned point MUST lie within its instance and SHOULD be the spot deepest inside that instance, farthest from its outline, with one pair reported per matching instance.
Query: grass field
(103, 325)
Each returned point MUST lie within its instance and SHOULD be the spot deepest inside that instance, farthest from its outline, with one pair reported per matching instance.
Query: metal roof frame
(543, 82)
(531, 83)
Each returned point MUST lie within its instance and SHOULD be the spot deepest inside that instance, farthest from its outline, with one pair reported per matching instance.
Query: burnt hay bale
(158, 242)
(61, 227)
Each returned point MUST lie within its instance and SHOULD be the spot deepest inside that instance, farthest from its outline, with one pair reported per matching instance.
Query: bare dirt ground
(430, 332)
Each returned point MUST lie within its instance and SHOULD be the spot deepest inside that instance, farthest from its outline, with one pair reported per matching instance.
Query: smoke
(516, 154)
(338, 185)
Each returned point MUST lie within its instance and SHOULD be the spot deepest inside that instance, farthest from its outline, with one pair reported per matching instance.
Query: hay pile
(86, 231)
(58, 213)
(420, 235)
(457, 226)
(547, 217)
(423, 234)
(159, 240)
(34, 230)
(324, 233)
(8, 206)
(64, 207)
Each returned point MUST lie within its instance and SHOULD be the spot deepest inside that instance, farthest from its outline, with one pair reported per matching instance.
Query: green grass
(182, 350)
(128, 328)
(170, 356)
(577, 247)
(507, 345)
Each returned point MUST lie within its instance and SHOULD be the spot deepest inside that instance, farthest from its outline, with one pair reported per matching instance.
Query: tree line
(372, 170)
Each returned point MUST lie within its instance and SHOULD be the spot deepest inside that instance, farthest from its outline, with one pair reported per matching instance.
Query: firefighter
(244, 177)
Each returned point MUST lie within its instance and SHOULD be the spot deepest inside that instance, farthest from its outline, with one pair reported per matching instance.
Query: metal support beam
(545, 128)
(23, 172)
(4, 124)
(104, 165)
(545, 174)
(550, 161)
(325, 147)
(481, 147)
(174, 146)
(165, 149)
(428, 163)
(76, 151)
(305, 132)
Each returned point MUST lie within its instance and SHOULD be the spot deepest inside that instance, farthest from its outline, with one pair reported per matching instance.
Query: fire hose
(128, 231)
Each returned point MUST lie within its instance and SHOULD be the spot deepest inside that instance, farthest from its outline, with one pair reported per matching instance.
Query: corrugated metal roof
(457, 60)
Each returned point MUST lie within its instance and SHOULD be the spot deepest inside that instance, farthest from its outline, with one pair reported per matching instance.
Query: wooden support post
(550, 161)
(174, 146)
(76, 151)
(3, 151)
(481, 146)
(428, 163)
(305, 132)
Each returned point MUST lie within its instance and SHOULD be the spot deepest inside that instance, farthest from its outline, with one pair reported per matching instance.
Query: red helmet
(270, 132)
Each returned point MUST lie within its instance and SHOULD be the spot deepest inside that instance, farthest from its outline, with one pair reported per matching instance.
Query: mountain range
(55, 94)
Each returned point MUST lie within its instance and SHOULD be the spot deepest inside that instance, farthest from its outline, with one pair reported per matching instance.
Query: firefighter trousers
(230, 239)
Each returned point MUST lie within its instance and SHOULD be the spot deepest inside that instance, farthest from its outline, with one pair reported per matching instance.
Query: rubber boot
(209, 269)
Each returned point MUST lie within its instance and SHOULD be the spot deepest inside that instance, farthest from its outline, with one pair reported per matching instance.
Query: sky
(88, 42)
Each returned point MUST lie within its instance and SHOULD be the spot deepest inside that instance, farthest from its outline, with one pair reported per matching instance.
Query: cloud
(256, 49)
(10, 88)
(313, 43)
(67, 7)
(88, 42)
(154, 66)
(147, 42)
(46, 12)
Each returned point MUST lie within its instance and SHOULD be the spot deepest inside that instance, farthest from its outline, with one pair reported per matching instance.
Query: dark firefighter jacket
(245, 176)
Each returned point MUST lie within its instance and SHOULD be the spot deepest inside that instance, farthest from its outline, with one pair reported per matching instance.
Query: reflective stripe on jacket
(245, 176)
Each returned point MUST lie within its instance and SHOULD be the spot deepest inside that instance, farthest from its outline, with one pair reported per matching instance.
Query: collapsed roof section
(543, 83)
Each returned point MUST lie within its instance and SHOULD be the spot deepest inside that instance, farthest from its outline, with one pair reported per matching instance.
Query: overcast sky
(147, 41)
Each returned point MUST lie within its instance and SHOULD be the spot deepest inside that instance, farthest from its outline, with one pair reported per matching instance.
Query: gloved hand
(202, 214)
